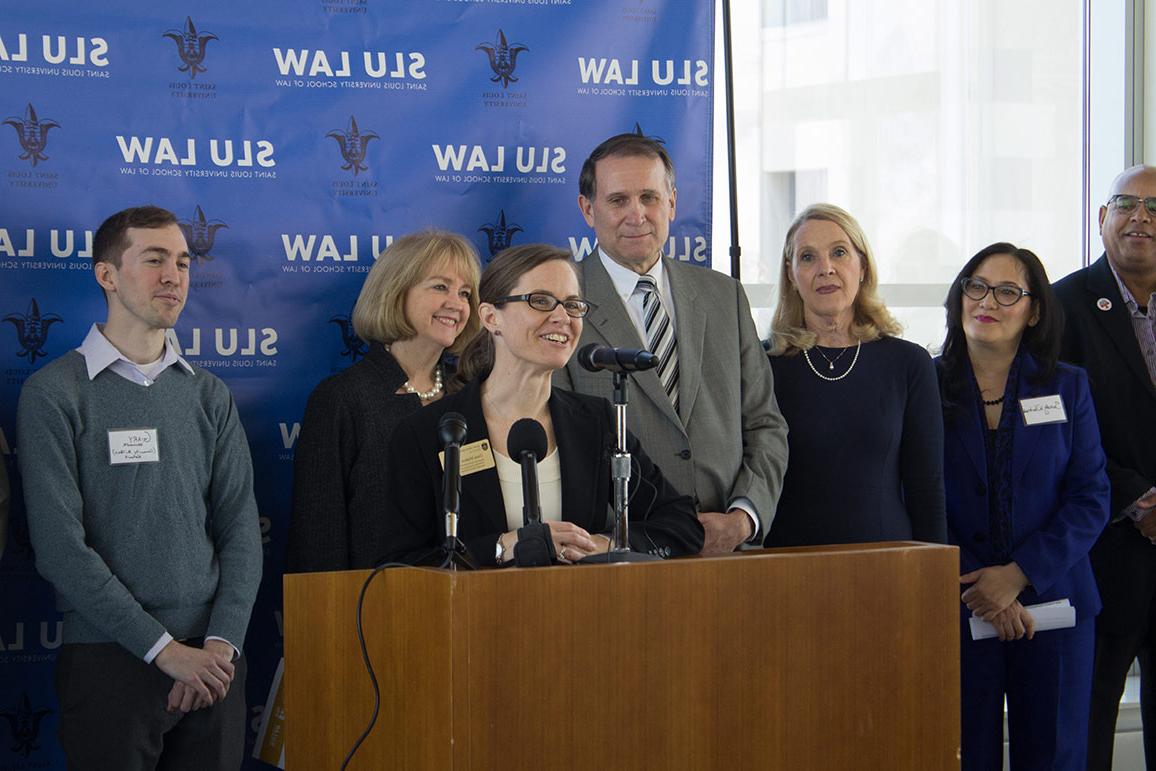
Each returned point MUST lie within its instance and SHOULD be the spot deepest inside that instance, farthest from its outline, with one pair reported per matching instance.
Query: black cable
(637, 467)
(736, 251)
(367, 662)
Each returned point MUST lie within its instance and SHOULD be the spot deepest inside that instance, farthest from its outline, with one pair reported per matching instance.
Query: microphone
(526, 444)
(452, 431)
(594, 357)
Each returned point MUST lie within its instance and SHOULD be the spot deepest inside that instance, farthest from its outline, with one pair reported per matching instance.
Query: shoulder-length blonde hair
(872, 320)
(379, 314)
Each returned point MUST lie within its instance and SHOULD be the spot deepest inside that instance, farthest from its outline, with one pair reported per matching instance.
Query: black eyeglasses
(540, 301)
(1004, 294)
(1128, 203)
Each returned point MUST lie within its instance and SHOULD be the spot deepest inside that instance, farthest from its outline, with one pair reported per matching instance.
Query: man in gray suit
(707, 414)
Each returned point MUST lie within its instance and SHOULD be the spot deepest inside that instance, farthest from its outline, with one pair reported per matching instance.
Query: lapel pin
(1104, 304)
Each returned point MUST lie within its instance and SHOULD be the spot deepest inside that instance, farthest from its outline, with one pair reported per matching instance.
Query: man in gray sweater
(139, 491)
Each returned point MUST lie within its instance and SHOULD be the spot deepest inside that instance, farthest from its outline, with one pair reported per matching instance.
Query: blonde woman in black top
(862, 405)
(418, 302)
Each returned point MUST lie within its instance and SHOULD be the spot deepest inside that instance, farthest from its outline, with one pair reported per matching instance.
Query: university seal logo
(355, 347)
(503, 59)
(500, 233)
(33, 134)
(24, 725)
(353, 144)
(200, 233)
(190, 46)
(32, 330)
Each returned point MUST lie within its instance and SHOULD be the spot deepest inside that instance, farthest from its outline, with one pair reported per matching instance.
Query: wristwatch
(499, 551)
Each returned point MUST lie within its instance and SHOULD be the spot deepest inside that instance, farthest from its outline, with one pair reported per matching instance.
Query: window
(941, 126)
(782, 13)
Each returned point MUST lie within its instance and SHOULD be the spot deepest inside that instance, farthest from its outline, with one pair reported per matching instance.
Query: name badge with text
(1041, 410)
(134, 445)
(475, 456)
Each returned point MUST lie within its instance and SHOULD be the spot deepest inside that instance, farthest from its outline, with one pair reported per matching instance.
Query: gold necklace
(830, 362)
(828, 378)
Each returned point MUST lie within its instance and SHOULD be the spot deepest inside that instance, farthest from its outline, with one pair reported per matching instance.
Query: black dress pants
(113, 716)
(1114, 656)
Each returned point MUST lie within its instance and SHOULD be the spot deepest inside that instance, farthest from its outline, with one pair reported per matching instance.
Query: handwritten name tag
(1041, 410)
(135, 445)
(475, 456)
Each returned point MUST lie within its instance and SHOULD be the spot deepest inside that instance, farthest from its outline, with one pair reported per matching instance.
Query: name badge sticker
(134, 445)
(1042, 410)
(474, 457)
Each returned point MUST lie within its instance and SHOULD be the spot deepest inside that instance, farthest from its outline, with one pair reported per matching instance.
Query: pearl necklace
(829, 379)
(425, 396)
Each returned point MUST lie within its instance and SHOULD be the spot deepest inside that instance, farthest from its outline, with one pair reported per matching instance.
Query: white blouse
(549, 488)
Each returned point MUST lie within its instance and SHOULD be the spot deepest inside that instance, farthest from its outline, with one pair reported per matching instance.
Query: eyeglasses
(1127, 203)
(540, 301)
(1004, 294)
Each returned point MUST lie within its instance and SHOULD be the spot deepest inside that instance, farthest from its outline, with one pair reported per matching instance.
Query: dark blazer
(1104, 343)
(339, 466)
(1059, 493)
(661, 521)
(728, 439)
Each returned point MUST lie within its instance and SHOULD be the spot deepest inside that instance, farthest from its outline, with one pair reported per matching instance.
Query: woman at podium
(1027, 496)
(417, 304)
(531, 314)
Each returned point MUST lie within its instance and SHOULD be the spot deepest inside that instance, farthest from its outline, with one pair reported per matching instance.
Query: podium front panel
(837, 657)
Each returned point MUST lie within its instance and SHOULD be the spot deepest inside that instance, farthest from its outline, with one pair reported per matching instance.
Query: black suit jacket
(1104, 343)
(339, 466)
(661, 521)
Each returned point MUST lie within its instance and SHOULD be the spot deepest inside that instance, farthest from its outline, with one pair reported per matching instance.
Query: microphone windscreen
(526, 435)
(452, 428)
(586, 357)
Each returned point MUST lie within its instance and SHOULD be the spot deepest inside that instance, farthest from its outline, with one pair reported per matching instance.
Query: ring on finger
(562, 553)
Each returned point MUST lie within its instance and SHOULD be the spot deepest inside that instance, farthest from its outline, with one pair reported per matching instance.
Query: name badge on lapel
(1041, 410)
(134, 445)
(475, 456)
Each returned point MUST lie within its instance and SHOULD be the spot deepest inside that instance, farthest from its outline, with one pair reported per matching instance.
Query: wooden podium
(813, 658)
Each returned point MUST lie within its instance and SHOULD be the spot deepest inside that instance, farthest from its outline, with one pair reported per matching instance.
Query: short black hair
(111, 237)
(1042, 340)
(624, 145)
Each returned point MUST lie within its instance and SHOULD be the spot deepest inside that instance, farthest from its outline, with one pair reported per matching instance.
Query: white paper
(1048, 615)
(136, 445)
(1041, 410)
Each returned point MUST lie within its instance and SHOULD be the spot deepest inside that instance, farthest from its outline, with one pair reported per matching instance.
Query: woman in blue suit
(1027, 496)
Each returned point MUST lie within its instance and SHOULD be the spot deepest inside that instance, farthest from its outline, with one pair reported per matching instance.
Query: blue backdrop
(295, 140)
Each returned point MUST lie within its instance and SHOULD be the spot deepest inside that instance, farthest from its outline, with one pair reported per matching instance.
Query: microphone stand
(453, 552)
(620, 479)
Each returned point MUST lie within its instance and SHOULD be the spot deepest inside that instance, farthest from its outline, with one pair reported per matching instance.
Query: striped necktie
(660, 338)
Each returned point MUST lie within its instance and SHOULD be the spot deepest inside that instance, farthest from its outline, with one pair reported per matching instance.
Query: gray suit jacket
(730, 440)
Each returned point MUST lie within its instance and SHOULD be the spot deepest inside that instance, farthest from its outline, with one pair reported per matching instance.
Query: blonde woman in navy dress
(862, 406)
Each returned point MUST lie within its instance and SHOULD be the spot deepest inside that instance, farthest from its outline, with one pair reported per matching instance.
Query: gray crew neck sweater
(138, 549)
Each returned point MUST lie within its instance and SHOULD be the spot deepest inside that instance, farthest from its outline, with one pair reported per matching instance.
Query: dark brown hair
(1042, 339)
(623, 145)
(498, 280)
(111, 237)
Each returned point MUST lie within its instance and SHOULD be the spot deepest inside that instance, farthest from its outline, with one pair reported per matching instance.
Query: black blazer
(1104, 343)
(339, 465)
(661, 521)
